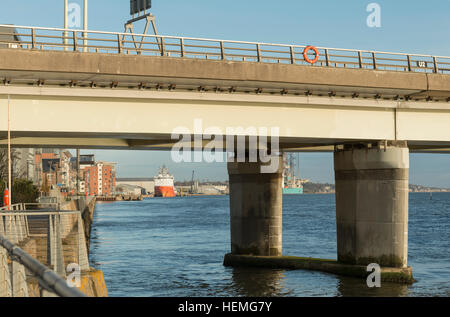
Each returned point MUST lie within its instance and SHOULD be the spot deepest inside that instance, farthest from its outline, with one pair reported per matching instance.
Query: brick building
(46, 166)
(99, 179)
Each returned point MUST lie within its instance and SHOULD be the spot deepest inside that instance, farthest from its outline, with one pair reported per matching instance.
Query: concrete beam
(303, 121)
(54, 65)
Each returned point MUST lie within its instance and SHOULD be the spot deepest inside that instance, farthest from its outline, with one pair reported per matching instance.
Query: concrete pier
(372, 204)
(255, 209)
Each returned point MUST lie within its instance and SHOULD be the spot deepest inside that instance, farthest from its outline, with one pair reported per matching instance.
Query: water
(175, 247)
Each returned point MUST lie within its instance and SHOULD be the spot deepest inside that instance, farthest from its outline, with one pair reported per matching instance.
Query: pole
(85, 25)
(9, 151)
(66, 23)
(78, 171)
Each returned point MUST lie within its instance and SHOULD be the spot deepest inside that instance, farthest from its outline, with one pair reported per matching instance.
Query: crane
(192, 182)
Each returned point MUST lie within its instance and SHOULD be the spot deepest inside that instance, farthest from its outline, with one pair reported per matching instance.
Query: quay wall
(92, 282)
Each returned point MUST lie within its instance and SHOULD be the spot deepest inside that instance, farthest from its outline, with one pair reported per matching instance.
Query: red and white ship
(164, 185)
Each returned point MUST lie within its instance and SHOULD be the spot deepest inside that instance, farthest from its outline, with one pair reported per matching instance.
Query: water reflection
(357, 287)
(253, 282)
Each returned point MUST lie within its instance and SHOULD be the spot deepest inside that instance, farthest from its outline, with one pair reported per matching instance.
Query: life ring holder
(305, 54)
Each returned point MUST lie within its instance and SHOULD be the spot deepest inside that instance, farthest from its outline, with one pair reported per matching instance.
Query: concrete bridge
(118, 91)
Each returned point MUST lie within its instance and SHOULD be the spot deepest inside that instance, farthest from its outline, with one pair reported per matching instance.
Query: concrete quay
(69, 245)
(92, 282)
(388, 274)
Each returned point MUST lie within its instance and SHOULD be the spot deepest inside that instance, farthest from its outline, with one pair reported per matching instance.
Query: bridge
(90, 89)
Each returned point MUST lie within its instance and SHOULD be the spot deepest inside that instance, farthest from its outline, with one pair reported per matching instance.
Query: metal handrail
(23, 206)
(39, 212)
(188, 47)
(50, 279)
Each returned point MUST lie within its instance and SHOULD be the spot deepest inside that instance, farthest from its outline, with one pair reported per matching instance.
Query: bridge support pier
(256, 208)
(372, 204)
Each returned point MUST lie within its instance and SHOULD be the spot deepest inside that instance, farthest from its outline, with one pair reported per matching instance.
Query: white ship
(164, 183)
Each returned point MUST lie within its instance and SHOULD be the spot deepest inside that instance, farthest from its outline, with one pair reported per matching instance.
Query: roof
(139, 179)
(68, 154)
(50, 165)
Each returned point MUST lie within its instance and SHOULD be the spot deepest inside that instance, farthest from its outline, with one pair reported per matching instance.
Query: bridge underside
(145, 120)
(167, 145)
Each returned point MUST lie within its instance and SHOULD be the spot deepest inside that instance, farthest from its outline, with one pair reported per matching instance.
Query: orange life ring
(305, 54)
(6, 197)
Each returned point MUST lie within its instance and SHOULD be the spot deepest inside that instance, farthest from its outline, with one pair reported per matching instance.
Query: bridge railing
(22, 37)
(36, 247)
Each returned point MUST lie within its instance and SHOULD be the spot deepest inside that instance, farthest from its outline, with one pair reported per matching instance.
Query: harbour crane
(192, 182)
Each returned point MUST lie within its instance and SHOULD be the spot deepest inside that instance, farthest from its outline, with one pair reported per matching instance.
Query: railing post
(222, 50)
(163, 48)
(292, 55)
(119, 44)
(258, 52)
(360, 61)
(182, 47)
(75, 41)
(374, 59)
(327, 58)
(19, 230)
(33, 38)
(27, 228)
(436, 68)
(51, 247)
(409, 63)
(59, 257)
(14, 238)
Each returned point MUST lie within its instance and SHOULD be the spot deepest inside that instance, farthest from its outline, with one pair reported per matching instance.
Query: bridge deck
(141, 96)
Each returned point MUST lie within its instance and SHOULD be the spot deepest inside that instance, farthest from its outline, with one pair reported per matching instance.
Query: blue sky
(406, 26)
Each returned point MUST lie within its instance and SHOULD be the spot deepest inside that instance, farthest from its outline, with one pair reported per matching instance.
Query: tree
(3, 185)
(4, 164)
(24, 191)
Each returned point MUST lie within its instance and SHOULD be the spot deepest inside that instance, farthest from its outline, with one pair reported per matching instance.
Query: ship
(164, 183)
(292, 184)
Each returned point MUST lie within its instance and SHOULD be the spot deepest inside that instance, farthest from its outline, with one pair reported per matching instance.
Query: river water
(175, 248)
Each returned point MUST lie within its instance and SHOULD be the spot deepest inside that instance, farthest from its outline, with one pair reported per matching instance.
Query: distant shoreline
(326, 188)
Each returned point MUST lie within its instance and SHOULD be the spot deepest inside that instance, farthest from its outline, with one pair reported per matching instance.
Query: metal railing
(37, 38)
(36, 246)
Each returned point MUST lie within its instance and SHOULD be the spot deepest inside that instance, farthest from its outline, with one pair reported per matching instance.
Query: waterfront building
(99, 178)
(146, 183)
